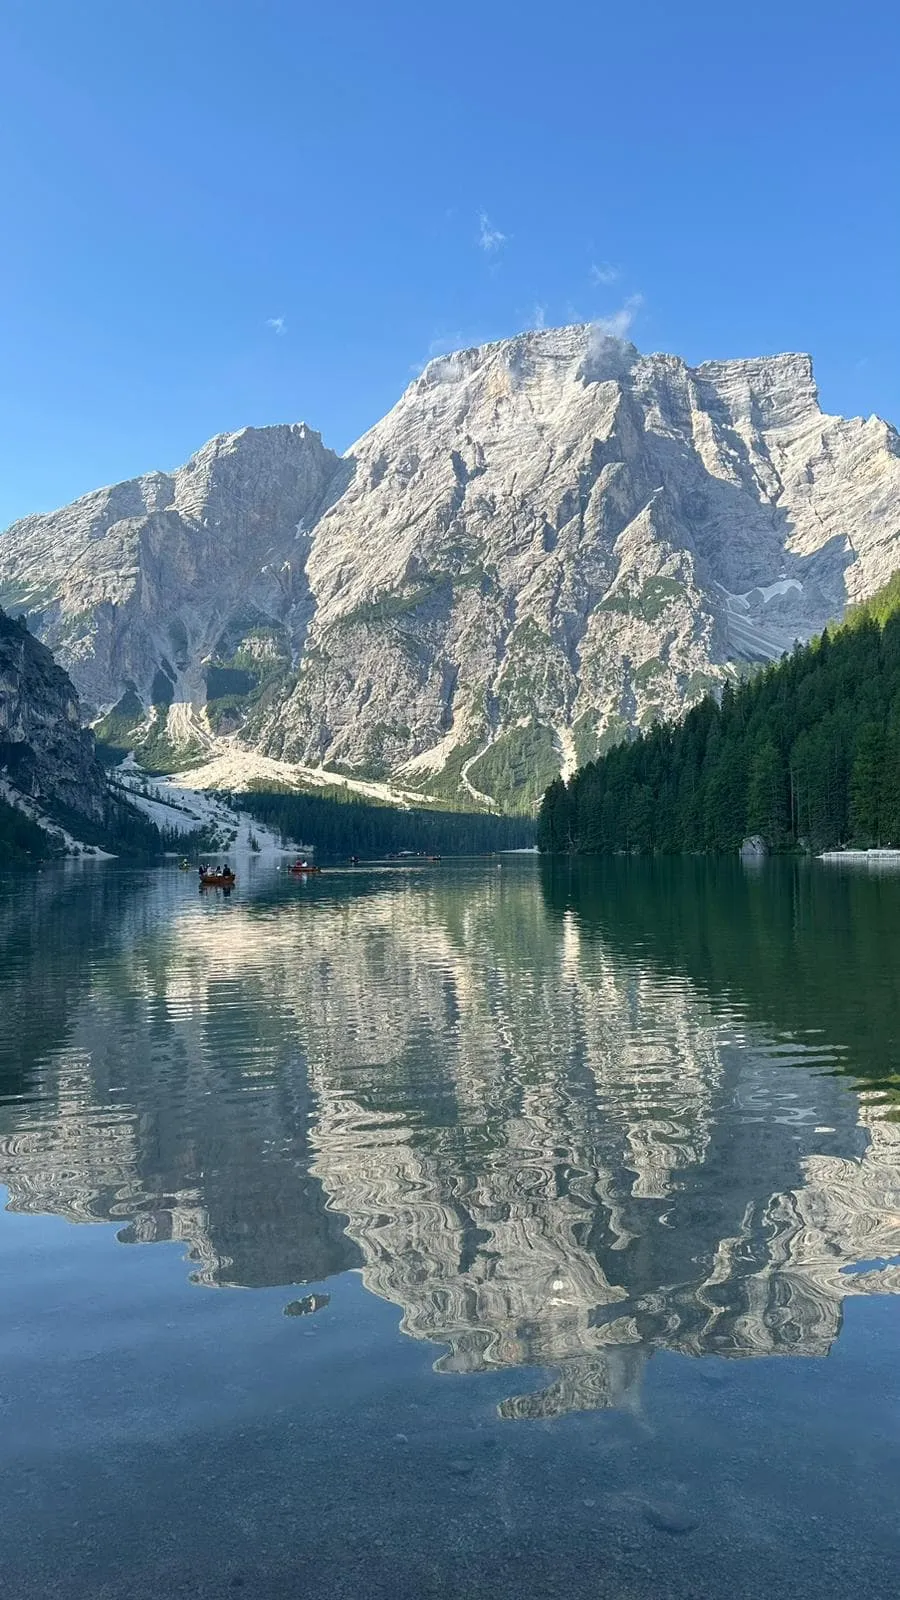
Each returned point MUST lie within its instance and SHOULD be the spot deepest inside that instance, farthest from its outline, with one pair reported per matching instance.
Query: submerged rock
(668, 1516)
(305, 1307)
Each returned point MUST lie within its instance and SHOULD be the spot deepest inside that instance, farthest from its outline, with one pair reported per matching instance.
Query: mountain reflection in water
(561, 1117)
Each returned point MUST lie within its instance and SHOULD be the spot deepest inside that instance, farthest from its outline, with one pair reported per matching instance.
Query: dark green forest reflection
(808, 950)
(562, 1117)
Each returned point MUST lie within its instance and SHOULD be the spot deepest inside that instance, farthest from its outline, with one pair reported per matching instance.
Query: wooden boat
(217, 880)
(300, 870)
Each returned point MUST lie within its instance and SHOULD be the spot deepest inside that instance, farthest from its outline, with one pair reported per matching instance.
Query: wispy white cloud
(618, 324)
(277, 324)
(490, 238)
(443, 344)
(538, 317)
(440, 344)
(609, 350)
(605, 273)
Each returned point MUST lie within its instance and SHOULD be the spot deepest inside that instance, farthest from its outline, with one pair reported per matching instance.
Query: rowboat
(302, 870)
(217, 880)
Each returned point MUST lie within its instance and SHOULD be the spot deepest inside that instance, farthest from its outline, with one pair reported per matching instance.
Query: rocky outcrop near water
(547, 542)
(47, 759)
(54, 792)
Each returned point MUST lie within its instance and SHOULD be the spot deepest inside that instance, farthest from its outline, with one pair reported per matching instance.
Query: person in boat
(226, 871)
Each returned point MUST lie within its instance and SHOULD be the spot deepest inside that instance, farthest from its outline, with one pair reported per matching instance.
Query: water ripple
(548, 1135)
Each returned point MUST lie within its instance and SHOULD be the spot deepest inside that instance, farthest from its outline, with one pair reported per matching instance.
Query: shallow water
(457, 1232)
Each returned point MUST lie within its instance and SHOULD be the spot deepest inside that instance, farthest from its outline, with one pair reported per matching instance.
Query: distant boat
(301, 869)
(217, 880)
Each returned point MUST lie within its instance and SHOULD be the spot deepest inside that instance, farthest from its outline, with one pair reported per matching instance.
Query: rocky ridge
(49, 771)
(47, 758)
(547, 542)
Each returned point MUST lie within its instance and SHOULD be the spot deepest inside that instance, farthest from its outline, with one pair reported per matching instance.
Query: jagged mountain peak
(548, 540)
(228, 454)
(573, 349)
(576, 354)
(133, 585)
(245, 444)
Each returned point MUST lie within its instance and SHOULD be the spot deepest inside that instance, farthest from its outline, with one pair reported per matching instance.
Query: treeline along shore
(351, 826)
(806, 754)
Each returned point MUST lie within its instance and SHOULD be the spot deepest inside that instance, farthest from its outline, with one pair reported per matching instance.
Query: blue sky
(221, 212)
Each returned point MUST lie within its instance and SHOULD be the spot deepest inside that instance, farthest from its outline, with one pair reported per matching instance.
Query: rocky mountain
(49, 772)
(136, 585)
(46, 756)
(548, 541)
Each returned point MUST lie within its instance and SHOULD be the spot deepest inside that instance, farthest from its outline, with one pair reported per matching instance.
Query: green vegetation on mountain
(128, 728)
(806, 754)
(124, 831)
(21, 840)
(117, 732)
(517, 766)
(241, 681)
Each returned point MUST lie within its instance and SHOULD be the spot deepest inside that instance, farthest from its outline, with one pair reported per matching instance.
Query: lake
(424, 1231)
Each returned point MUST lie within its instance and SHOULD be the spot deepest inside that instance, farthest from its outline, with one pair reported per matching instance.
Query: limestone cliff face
(135, 585)
(547, 541)
(47, 758)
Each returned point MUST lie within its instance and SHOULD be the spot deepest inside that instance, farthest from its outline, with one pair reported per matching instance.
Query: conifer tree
(866, 786)
(806, 753)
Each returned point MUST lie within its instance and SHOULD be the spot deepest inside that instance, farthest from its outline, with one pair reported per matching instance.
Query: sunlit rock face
(547, 1153)
(135, 585)
(547, 541)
